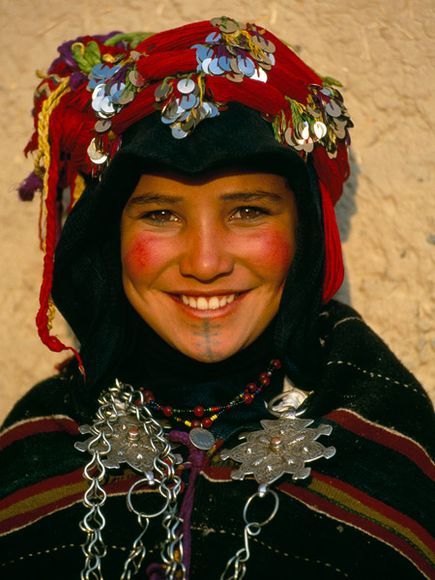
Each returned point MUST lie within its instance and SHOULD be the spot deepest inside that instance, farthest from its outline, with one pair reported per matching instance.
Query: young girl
(223, 417)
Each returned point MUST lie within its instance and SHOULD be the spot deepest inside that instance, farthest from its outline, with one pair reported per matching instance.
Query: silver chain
(172, 549)
(95, 497)
(236, 566)
(119, 401)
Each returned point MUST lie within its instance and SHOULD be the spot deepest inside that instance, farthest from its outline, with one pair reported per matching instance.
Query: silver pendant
(283, 446)
(202, 438)
(128, 443)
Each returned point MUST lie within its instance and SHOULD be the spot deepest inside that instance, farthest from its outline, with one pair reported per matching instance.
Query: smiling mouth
(204, 303)
(207, 302)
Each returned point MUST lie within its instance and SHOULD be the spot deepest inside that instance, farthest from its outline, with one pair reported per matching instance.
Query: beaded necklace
(199, 418)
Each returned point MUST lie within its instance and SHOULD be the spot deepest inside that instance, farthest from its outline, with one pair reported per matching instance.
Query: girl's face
(205, 259)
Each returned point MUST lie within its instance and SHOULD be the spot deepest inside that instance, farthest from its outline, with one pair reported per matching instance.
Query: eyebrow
(151, 197)
(256, 195)
(148, 198)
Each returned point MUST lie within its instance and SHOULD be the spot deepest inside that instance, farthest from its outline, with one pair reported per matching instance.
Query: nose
(206, 253)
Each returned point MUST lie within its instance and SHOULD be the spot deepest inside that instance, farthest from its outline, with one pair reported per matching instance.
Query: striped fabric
(370, 507)
(44, 497)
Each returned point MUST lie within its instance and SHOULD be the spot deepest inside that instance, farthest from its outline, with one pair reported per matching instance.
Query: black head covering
(87, 285)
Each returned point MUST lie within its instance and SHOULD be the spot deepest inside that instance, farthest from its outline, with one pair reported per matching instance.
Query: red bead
(276, 363)
(227, 407)
(252, 387)
(207, 422)
(264, 380)
(248, 398)
(167, 411)
(198, 411)
(149, 396)
(196, 423)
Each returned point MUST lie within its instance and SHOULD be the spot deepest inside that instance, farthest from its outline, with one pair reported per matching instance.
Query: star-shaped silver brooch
(284, 445)
(128, 441)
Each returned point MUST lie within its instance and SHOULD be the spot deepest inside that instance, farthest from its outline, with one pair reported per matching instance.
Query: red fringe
(42, 319)
(332, 172)
(334, 268)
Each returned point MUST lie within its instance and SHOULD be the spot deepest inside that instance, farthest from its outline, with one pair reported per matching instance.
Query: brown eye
(248, 213)
(160, 216)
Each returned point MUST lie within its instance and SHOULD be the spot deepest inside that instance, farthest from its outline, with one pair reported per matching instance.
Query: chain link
(235, 568)
(172, 548)
(95, 497)
(170, 486)
(137, 553)
(118, 401)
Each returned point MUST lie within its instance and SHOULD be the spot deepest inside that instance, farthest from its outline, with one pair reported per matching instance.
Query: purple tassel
(155, 571)
(29, 187)
(197, 460)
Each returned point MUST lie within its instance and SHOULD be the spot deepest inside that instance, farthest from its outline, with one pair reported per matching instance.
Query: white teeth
(213, 303)
(203, 303)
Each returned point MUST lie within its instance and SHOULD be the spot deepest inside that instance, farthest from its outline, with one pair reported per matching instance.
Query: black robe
(367, 512)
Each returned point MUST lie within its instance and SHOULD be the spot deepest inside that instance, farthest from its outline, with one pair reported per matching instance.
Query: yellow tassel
(42, 159)
(78, 188)
(51, 314)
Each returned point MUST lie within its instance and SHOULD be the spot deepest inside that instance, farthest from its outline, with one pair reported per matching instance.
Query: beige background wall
(384, 53)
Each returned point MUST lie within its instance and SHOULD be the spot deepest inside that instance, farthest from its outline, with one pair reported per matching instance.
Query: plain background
(384, 54)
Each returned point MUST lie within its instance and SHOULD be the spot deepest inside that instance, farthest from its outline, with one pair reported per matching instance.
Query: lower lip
(216, 313)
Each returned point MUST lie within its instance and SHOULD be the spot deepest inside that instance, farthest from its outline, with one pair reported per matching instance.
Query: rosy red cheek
(274, 250)
(144, 254)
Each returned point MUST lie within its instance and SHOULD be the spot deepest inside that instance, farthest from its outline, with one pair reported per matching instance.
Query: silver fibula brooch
(129, 443)
(284, 445)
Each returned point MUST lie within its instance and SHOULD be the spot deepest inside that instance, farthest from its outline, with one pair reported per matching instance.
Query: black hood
(87, 285)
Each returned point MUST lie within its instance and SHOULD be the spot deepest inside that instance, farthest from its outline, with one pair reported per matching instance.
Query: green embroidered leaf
(86, 56)
(330, 81)
(132, 38)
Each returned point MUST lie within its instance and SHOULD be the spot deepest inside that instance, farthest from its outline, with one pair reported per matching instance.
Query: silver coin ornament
(186, 86)
(178, 132)
(233, 51)
(202, 438)
(136, 79)
(226, 25)
(229, 53)
(162, 92)
(182, 107)
(324, 120)
(225, 53)
(103, 125)
(95, 154)
(282, 446)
